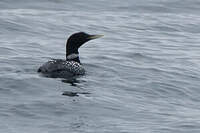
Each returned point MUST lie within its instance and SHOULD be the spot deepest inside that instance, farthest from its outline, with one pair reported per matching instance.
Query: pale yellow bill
(95, 36)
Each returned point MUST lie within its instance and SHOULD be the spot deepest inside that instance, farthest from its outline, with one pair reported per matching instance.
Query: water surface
(142, 76)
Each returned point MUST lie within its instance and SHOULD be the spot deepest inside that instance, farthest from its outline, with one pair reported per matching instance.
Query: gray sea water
(143, 76)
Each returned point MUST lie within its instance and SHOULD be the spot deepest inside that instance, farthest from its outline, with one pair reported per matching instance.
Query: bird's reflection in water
(73, 81)
(73, 94)
(76, 83)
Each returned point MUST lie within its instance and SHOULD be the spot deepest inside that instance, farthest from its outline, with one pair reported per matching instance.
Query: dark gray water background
(142, 76)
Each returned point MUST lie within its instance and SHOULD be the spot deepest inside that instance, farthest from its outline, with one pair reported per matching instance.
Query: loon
(71, 66)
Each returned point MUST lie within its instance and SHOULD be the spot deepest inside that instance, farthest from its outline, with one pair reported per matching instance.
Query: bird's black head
(75, 41)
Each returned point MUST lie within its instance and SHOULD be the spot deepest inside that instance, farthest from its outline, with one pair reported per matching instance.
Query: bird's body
(61, 68)
(71, 66)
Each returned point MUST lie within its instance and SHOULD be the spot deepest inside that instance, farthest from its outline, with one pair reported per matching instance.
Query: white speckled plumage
(60, 67)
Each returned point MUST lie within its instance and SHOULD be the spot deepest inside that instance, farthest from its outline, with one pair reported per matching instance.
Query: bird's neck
(73, 57)
(72, 53)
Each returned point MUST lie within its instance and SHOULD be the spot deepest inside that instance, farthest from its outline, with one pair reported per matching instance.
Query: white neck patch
(72, 56)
